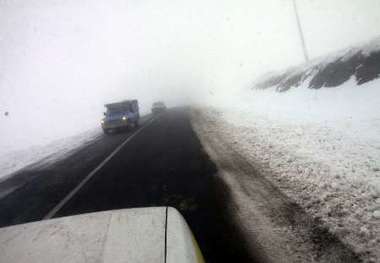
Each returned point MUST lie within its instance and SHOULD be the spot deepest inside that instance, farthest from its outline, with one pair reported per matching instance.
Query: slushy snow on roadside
(321, 147)
(11, 162)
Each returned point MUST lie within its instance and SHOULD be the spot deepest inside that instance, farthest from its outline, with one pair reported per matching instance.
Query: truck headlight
(124, 118)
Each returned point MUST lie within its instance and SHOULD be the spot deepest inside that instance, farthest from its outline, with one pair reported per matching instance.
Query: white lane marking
(92, 173)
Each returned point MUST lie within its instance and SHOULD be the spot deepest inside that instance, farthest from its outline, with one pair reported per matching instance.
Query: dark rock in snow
(361, 63)
(370, 69)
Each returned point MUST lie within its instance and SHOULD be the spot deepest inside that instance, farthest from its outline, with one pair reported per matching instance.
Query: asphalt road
(163, 165)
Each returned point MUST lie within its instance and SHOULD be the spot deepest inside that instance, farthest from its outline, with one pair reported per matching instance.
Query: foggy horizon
(190, 131)
(68, 58)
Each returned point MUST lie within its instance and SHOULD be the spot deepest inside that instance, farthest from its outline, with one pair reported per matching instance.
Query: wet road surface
(163, 165)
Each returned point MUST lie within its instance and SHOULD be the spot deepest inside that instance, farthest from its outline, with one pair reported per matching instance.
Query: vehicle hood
(148, 235)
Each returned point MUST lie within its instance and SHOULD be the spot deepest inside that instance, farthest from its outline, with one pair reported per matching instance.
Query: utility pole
(300, 32)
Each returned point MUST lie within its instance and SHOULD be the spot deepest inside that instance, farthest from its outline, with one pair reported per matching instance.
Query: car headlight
(124, 118)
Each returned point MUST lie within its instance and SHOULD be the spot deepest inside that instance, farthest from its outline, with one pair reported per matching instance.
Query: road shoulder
(274, 224)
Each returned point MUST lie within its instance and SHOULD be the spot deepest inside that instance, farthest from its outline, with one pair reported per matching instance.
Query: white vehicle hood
(157, 235)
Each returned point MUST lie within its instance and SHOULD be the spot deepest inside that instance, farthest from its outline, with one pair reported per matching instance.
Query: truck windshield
(116, 111)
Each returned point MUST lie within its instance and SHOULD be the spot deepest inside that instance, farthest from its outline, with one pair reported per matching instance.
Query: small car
(158, 107)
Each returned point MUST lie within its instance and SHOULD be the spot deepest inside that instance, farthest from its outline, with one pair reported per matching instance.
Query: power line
(300, 31)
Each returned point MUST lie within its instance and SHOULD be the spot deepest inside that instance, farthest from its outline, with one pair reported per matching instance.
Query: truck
(120, 115)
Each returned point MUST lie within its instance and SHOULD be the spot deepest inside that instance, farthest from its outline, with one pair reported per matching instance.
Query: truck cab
(120, 115)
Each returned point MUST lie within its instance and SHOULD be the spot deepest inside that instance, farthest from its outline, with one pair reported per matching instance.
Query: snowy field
(41, 155)
(321, 147)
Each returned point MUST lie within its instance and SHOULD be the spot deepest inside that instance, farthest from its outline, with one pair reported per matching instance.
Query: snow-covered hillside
(320, 145)
(361, 63)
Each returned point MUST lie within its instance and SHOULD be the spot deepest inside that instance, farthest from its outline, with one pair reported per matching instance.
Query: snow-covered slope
(42, 155)
(361, 63)
(320, 145)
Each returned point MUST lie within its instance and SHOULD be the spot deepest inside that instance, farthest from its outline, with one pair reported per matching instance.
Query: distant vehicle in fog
(120, 115)
(158, 107)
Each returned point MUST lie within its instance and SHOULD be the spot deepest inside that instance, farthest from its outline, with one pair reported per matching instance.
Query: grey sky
(83, 53)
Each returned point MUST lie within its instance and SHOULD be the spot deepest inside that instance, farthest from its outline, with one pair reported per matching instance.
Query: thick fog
(61, 60)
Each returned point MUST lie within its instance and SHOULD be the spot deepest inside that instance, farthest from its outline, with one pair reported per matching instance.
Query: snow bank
(321, 147)
(45, 154)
